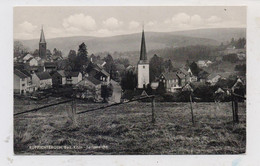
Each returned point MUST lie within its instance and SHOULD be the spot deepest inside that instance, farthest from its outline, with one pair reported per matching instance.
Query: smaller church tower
(143, 66)
(42, 46)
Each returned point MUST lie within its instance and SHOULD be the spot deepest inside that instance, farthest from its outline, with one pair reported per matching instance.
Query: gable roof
(170, 75)
(43, 75)
(93, 80)
(213, 75)
(26, 72)
(20, 74)
(27, 56)
(73, 74)
(181, 75)
(184, 71)
(61, 73)
(50, 64)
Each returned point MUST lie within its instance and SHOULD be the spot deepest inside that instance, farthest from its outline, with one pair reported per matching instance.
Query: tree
(241, 42)
(82, 51)
(19, 49)
(129, 80)
(36, 52)
(81, 60)
(56, 52)
(123, 61)
(168, 65)
(194, 68)
(72, 55)
(156, 67)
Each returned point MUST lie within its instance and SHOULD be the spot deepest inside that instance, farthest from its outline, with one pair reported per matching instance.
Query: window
(143, 67)
(23, 84)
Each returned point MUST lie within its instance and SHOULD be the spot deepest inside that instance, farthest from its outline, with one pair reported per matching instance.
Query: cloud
(26, 27)
(214, 19)
(196, 20)
(112, 23)
(151, 23)
(181, 18)
(134, 25)
(78, 22)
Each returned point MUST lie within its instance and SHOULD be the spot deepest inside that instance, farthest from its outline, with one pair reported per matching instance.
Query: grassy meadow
(127, 129)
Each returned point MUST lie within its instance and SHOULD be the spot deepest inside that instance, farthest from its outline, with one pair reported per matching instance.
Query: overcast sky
(109, 21)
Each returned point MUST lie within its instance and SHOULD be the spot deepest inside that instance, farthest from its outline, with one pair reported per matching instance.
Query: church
(143, 66)
(42, 46)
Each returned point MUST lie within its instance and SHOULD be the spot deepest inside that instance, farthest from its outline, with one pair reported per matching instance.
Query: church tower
(143, 66)
(42, 46)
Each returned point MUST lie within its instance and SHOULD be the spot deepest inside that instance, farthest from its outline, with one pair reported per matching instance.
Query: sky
(110, 21)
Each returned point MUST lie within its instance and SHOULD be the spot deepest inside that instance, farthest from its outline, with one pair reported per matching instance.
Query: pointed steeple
(42, 38)
(143, 55)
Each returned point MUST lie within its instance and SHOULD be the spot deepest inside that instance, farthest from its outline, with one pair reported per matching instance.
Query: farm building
(20, 82)
(213, 78)
(32, 61)
(73, 77)
(42, 80)
(50, 67)
(170, 80)
(59, 78)
(98, 72)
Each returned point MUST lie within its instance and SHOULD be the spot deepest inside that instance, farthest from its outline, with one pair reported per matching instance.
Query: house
(91, 88)
(241, 56)
(213, 78)
(73, 77)
(59, 78)
(202, 63)
(30, 87)
(209, 63)
(20, 82)
(27, 57)
(189, 77)
(50, 67)
(202, 76)
(42, 80)
(171, 81)
(32, 62)
(98, 72)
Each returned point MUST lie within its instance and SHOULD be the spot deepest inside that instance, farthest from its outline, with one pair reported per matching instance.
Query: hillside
(219, 34)
(131, 42)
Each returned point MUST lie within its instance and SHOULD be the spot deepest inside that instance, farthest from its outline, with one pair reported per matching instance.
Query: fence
(235, 99)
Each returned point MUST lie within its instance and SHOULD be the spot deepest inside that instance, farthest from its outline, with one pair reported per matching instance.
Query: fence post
(236, 112)
(73, 112)
(153, 109)
(191, 110)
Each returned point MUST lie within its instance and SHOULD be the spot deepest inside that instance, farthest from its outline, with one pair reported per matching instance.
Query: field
(127, 129)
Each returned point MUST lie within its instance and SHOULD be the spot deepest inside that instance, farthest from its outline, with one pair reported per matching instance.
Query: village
(41, 75)
(161, 80)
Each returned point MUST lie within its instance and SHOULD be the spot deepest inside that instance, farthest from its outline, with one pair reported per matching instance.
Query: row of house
(26, 81)
(174, 81)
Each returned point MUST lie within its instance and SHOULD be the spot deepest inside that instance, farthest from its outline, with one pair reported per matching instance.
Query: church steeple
(143, 66)
(42, 38)
(42, 46)
(143, 56)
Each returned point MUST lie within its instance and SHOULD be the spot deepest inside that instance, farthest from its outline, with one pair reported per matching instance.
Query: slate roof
(170, 75)
(43, 75)
(213, 75)
(20, 74)
(181, 76)
(26, 72)
(61, 73)
(49, 64)
(93, 80)
(73, 73)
